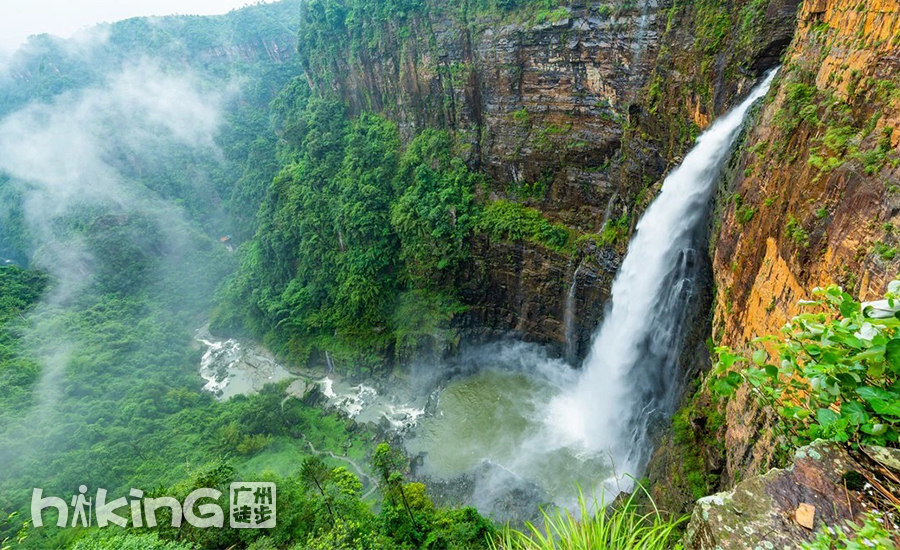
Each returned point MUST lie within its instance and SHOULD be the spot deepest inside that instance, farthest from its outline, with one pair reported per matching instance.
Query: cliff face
(578, 111)
(815, 198)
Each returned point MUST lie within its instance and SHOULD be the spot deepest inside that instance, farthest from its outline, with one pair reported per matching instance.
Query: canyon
(572, 116)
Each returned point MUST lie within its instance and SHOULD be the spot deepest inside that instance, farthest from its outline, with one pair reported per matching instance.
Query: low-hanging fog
(79, 165)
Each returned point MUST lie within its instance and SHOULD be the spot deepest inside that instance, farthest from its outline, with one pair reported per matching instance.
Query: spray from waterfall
(630, 376)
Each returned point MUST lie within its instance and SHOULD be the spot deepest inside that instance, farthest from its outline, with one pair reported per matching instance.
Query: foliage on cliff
(356, 228)
(833, 374)
(350, 224)
(328, 28)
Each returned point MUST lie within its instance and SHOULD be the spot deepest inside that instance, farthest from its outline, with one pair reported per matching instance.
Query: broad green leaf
(733, 378)
(826, 417)
(848, 305)
(869, 393)
(892, 355)
(855, 412)
(722, 387)
(871, 353)
(759, 357)
(886, 408)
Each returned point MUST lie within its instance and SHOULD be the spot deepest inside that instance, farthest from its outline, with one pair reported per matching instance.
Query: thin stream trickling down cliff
(569, 317)
(629, 377)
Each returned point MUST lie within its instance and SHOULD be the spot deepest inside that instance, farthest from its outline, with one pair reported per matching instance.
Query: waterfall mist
(629, 376)
(529, 429)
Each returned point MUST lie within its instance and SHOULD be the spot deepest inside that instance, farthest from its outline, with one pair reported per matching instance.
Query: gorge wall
(812, 200)
(577, 111)
(818, 184)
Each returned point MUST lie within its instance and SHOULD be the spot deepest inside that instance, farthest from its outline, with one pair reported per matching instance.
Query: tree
(389, 464)
(315, 473)
(434, 214)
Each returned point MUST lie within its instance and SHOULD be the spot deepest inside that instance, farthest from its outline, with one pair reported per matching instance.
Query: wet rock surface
(785, 507)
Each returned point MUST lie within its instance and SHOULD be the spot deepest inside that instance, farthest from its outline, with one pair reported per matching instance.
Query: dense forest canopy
(351, 242)
(352, 224)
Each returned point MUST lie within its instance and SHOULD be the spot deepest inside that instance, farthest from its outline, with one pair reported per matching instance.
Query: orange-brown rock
(817, 186)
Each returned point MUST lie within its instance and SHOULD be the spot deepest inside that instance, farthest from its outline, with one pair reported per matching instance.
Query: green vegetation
(522, 117)
(627, 527)
(743, 212)
(871, 534)
(435, 211)
(98, 380)
(335, 33)
(885, 251)
(797, 107)
(19, 537)
(690, 471)
(615, 232)
(507, 220)
(833, 374)
(535, 190)
(349, 225)
(548, 136)
(551, 16)
(795, 232)
(713, 25)
(318, 508)
(844, 136)
(19, 291)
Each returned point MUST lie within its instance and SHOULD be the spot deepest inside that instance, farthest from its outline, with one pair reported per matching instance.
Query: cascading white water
(629, 376)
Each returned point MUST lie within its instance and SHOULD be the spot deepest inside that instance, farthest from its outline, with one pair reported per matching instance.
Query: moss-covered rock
(785, 507)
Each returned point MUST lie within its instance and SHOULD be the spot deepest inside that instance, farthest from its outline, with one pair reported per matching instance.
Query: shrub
(871, 534)
(835, 372)
(885, 251)
(744, 214)
(503, 219)
(521, 116)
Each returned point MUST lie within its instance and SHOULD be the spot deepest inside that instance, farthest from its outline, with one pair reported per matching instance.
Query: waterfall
(608, 212)
(630, 377)
(637, 44)
(569, 318)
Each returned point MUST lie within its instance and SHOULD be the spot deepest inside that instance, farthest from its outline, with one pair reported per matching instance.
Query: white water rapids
(629, 373)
